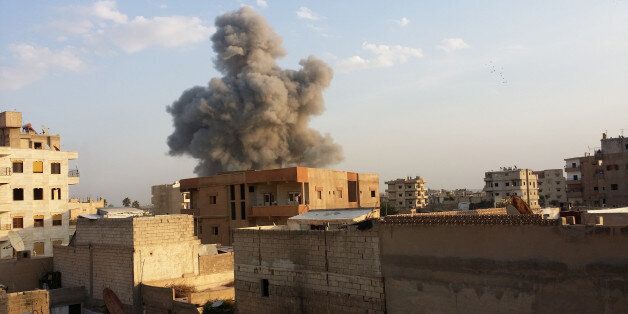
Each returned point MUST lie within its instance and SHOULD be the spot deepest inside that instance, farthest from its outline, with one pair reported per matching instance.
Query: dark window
(372, 193)
(626, 146)
(507, 184)
(233, 210)
(614, 187)
(242, 210)
(18, 194)
(352, 191)
(575, 177)
(57, 220)
(232, 192)
(595, 188)
(18, 222)
(38, 221)
(265, 288)
(38, 194)
(37, 145)
(251, 188)
(55, 168)
(573, 165)
(215, 230)
(18, 167)
(496, 184)
(242, 194)
(319, 194)
(212, 199)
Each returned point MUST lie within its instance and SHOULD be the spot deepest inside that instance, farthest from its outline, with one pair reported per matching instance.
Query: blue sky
(442, 89)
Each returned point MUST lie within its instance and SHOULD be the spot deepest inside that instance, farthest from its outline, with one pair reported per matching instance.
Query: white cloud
(452, 44)
(307, 14)
(261, 3)
(107, 10)
(403, 22)
(32, 63)
(382, 56)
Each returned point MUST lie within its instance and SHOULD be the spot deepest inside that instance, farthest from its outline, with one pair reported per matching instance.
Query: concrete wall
(23, 274)
(209, 264)
(308, 271)
(457, 268)
(35, 301)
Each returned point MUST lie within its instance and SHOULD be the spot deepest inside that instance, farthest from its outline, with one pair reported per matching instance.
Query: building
(34, 187)
(461, 199)
(167, 199)
(552, 187)
(240, 199)
(600, 179)
(499, 185)
(407, 194)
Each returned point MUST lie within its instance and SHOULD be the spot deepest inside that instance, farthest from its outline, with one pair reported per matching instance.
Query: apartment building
(407, 193)
(509, 181)
(167, 199)
(552, 187)
(601, 178)
(241, 199)
(34, 187)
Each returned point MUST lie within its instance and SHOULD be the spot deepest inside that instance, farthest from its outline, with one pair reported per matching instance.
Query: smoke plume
(256, 116)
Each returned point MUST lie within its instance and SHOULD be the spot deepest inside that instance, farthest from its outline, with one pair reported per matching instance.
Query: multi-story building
(407, 193)
(167, 199)
(34, 182)
(600, 179)
(240, 199)
(552, 187)
(512, 182)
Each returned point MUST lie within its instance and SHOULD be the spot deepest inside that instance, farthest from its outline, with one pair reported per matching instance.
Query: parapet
(468, 220)
(10, 119)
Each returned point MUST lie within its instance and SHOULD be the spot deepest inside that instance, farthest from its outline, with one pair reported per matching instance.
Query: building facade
(167, 199)
(407, 193)
(600, 179)
(499, 185)
(552, 187)
(34, 187)
(240, 199)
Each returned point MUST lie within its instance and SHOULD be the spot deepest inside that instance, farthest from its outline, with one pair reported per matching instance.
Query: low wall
(23, 274)
(524, 267)
(34, 301)
(293, 271)
(217, 263)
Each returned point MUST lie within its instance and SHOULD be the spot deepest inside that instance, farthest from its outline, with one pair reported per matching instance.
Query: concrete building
(34, 187)
(600, 179)
(552, 187)
(167, 199)
(461, 199)
(240, 199)
(512, 181)
(407, 194)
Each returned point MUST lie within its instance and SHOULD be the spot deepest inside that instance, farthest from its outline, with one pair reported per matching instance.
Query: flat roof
(620, 210)
(336, 216)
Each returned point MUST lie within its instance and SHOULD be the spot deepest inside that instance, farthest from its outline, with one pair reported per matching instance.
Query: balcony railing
(73, 173)
(5, 171)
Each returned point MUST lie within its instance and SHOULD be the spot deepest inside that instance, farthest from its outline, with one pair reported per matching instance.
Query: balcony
(73, 176)
(5, 174)
(571, 168)
(278, 210)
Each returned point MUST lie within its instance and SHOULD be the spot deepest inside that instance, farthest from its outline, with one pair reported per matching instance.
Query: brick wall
(117, 232)
(23, 274)
(308, 271)
(34, 301)
(210, 264)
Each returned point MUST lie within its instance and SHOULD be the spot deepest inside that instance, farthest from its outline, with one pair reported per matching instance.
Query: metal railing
(73, 173)
(5, 171)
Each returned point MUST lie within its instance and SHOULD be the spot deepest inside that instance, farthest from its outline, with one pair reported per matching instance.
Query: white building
(34, 187)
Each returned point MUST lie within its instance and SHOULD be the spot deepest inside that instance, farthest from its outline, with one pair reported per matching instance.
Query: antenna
(621, 131)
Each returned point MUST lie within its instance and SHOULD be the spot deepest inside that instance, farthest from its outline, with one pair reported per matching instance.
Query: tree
(136, 204)
(126, 202)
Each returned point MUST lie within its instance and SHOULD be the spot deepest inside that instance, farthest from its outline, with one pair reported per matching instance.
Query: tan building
(601, 179)
(167, 199)
(552, 187)
(512, 181)
(239, 199)
(407, 194)
(34, 187)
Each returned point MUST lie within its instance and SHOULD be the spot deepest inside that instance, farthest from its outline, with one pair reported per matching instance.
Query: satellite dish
(112, 302)
(16, 241)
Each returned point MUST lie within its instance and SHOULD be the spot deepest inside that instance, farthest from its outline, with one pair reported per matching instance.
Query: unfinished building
(512, 181)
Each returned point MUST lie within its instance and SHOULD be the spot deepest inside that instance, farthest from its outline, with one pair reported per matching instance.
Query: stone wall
(34, 301)
(516, 266)
(23, 274)
(209, 264)
(308, 271)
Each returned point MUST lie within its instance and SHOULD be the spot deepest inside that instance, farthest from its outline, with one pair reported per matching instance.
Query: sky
(442, 89)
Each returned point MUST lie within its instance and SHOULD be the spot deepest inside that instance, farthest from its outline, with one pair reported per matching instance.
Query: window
(352, 191)
(55, 193)
(38, 167)
(55, 168)
(233, 210)
(265, 288)
(496, 184)
(212, 199)
(242, 210)
(251, 189)
(339, 191)
(38, 194)
(57, 242)
(18, 167)
(614, 187)
(215, 231)
(37, 145)
(372, 193)
(18, 194)
(575, 177)
(18, 222)
(38, 221)
(496, 194)
(57, 220)
(232, 192)
(573, 165)
(319, 194)
(242, 194)
(38, 248)
(507, 184)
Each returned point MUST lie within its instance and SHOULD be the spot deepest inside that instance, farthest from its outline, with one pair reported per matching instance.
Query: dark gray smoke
(256, 116)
